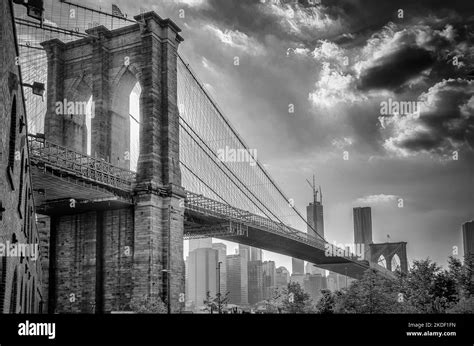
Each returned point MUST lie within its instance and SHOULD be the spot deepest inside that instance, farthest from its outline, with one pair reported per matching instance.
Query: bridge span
(72, 182)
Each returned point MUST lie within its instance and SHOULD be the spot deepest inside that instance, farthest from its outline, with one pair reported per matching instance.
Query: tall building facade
(202, 275)
(315, 218)
(222, 257)
(297, 266)
(299, 278)
(313, 284)
(255, 254)
(250, 252)
(269, 273)
(237, 279)
(255, 272)
(200, 243)
(312, 269)
(21, 277)
(282, 277)
(468, 237)
(363, 227)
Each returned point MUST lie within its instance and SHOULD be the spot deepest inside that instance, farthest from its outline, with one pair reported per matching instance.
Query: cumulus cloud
(376, 199)
(302, 21)
(446, 123)
(393, 59)
(334, 87)
(237, 40)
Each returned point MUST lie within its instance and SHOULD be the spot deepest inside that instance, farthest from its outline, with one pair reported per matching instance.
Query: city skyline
(295, 53)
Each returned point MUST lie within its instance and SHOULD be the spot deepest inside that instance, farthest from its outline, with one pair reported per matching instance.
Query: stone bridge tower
(387, 252)
(106, 253)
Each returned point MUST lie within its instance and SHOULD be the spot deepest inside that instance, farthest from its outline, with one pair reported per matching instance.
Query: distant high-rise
(314, 215)
(297, 266)
(363, 227)
(311, 269)
(468, 237)
(269, 273)
(202, 274)
(237, 279)
(255, 272)
(313, 284)
(299, 278)
(244, 250)
(332, 282)
(200, 243)
(282, 277)
(252, 253)
(255, 254)
(222, 257)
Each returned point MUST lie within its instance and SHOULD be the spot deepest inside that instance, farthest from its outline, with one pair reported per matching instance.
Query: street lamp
(219, 287)
(346, 276)
(168, 289)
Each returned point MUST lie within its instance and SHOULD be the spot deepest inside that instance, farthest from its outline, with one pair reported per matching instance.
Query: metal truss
(82, 166)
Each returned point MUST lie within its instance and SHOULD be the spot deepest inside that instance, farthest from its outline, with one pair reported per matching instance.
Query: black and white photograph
(254, 171)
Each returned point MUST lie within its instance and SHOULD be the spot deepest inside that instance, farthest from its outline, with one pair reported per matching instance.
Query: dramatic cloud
(336, 62)
(446, 123)
(302, 22)
(237, 40)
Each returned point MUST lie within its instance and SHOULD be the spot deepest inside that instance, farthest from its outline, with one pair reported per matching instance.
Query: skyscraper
(255, 272)
(282, 277)
(222, 257)
(363, 227)
(468, 237)
(314, 215)
(311, 269)
(255, 254)
(244, 250)
(202, 274)
(315, 220)
(200, 243)
(237, 279)
(313, 284)
(297, 266)
(269, 273)
(252, 253)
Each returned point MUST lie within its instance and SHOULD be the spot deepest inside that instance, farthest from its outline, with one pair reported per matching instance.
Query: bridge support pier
(106, 256)
(158, 265)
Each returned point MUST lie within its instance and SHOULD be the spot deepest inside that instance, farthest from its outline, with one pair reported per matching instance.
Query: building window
(20, 193)
(13, 298)
(13, 118)
(3, 282)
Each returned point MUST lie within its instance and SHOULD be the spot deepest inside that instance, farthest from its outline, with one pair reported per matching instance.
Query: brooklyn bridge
(115, 192)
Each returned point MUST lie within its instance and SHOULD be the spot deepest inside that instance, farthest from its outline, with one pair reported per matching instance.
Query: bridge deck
(62, 174)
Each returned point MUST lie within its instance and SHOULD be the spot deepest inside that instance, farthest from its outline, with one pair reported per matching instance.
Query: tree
(215, 303)
(420, 286)
(296, 300)
(275, 303)
(326, 303)
(463, 306)
(370, 295)
(148, 304)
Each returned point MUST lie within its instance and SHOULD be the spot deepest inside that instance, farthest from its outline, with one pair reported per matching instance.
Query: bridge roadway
(60, 174)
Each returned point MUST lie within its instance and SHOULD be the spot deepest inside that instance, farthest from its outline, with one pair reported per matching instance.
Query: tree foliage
(148, 304)
(426, 288)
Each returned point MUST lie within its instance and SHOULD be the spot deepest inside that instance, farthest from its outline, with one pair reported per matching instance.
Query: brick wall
(20, 278)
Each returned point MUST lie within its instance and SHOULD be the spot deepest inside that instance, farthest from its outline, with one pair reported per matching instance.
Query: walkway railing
(204, 205)
(80, 165)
